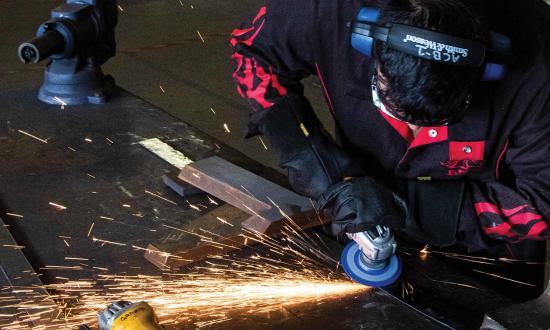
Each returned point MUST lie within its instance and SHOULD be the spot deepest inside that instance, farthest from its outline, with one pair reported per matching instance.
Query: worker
(424, 147)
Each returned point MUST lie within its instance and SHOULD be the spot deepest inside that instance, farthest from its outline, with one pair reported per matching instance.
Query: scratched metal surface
(93, 165)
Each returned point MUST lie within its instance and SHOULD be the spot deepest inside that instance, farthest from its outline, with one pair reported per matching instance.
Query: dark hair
(419, 89)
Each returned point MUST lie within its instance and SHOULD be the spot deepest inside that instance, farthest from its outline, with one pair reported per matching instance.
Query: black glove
(313, 160)
(362, 203)
(428, 212)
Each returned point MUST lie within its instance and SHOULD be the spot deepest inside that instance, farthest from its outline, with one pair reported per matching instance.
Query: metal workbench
(64, 170)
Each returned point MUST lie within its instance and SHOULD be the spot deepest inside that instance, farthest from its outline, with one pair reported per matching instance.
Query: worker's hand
(362, 203)
(312, 172)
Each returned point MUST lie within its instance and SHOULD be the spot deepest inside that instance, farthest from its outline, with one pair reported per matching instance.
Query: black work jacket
(501, 148)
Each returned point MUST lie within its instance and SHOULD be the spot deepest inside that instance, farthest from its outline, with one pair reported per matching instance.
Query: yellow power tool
(125, 315)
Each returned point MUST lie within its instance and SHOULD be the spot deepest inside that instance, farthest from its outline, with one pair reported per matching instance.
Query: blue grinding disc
(357, 270)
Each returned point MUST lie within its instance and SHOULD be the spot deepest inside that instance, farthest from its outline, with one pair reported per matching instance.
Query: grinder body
(125, 315)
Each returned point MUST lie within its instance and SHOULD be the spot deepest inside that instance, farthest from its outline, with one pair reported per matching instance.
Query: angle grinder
(125, 315)
(370, 259)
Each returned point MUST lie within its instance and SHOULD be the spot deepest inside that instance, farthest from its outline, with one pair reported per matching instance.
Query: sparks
(15, 215)
(58, 206)
(16, 247)
(216, 290)
(104, 241)
(183, 299)
(504, 278)
(225, 222)
(101, 268)
(200, 36)
(90, 230)
(159, 196)
(226, 128)
(32, 136)
(211, 201)
(263, 143)
(424, 253)
(76, 258)
(424, 250)
(60, 101)
(162, 89)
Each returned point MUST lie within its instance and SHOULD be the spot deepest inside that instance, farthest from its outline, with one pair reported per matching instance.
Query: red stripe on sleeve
(537, 229)
(503, 229)
(241, 32)
(486, 208)
(509, 212)
(513, 216)
(524, 218)
(493, 208)
(249, 41)
(275, 84)
(261, 13)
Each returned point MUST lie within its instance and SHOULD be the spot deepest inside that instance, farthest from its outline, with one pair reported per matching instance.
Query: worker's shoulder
(535, 71)
(524, 93)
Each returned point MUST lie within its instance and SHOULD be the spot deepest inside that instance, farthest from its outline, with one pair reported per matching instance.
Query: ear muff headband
(429, 45)
(426, 44)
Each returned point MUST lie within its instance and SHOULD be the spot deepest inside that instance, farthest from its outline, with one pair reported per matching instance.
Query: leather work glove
(428, 212)
(313, 160)
(362, 203)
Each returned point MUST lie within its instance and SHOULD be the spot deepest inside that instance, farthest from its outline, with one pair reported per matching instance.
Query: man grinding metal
(439, 137)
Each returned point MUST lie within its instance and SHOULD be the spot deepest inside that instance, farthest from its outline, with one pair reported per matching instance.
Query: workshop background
(86, 220)
(174, 54)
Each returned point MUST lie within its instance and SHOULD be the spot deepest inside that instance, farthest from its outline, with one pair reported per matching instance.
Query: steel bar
(266, 202)
(268, 205)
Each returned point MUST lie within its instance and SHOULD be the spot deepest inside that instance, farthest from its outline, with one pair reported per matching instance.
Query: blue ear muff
(361, 42)
(368, 17)
(493, 72)
(368, 14)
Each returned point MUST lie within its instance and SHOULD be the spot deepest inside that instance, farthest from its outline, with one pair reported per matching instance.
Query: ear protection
(430, 45)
